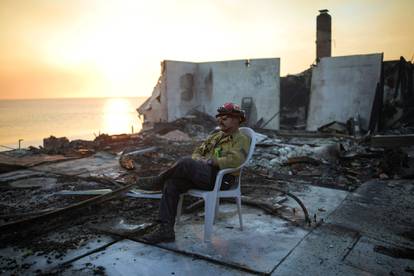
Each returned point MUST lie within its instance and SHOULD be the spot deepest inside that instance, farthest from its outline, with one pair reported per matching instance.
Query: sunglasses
(224, 117)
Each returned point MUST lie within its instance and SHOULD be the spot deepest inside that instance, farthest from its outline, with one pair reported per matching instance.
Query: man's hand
(212, 162)
(203, 160)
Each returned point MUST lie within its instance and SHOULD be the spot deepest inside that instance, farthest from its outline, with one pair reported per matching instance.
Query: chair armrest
(226, 171)
(219, 177)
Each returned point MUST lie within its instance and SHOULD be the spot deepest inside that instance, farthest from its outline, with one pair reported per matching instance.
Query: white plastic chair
(212, 198)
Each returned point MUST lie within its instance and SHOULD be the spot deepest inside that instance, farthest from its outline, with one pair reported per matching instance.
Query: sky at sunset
(108, 48)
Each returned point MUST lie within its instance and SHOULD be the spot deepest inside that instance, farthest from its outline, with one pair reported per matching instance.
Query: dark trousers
(184, 175)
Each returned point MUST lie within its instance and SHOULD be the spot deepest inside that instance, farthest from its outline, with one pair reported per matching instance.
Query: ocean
(80, 118)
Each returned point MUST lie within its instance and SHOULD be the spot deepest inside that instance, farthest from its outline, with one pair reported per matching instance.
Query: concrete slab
(321, 253)
(371, 256)
(343, 87)
(120, 227)
(100, 164)
(264, 241)
(381, 210)
(133, 258)
(24, 261)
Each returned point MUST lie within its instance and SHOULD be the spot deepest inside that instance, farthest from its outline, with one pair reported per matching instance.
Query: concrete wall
(154, 109)
(206, 86)
(342, 87)
(181, 93)
(230, 81)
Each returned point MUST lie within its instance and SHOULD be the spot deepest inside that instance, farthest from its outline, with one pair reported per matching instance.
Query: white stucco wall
(154, 108)
(178, 107)
(342, 87)
(230, 81)
(206, 86)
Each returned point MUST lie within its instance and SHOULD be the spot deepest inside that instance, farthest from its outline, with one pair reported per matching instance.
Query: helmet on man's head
(231, 109)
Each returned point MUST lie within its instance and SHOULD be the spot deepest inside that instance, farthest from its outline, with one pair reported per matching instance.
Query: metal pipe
(305, 211)
(20, 141)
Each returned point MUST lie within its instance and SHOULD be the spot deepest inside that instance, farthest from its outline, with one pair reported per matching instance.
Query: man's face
(228, 123)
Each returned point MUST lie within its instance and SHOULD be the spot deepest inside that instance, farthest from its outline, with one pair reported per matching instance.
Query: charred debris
(77, 188)
(77, 184)
(314, 129)
(338, 154)
(331, 157)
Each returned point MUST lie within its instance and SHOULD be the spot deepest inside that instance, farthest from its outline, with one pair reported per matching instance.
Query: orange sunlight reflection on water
(119, 117)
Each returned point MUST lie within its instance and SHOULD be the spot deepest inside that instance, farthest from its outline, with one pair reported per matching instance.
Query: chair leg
(179, 208)
(209, 210)
(216, 209)
(238, 201)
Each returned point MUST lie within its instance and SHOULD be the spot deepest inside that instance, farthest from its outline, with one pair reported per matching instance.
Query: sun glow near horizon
(114, 48)
(120, 117)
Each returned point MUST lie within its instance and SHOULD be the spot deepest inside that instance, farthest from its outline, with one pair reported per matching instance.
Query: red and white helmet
(231, 109)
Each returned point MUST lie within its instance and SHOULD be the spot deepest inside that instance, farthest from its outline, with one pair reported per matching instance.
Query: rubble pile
(196, 125)
(62, 145)
(342, 163)
(28, 194)
(193, 127)
(22, 198)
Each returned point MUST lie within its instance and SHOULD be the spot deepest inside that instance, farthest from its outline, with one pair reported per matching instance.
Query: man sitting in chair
(227, 148)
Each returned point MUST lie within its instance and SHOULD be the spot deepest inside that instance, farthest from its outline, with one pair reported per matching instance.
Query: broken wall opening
(398, 98)
(294, 100)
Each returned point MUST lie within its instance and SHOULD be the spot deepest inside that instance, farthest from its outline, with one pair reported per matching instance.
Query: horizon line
(71, 98)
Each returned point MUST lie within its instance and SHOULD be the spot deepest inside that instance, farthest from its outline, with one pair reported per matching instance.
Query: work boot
(150, 183)
(163, 232)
